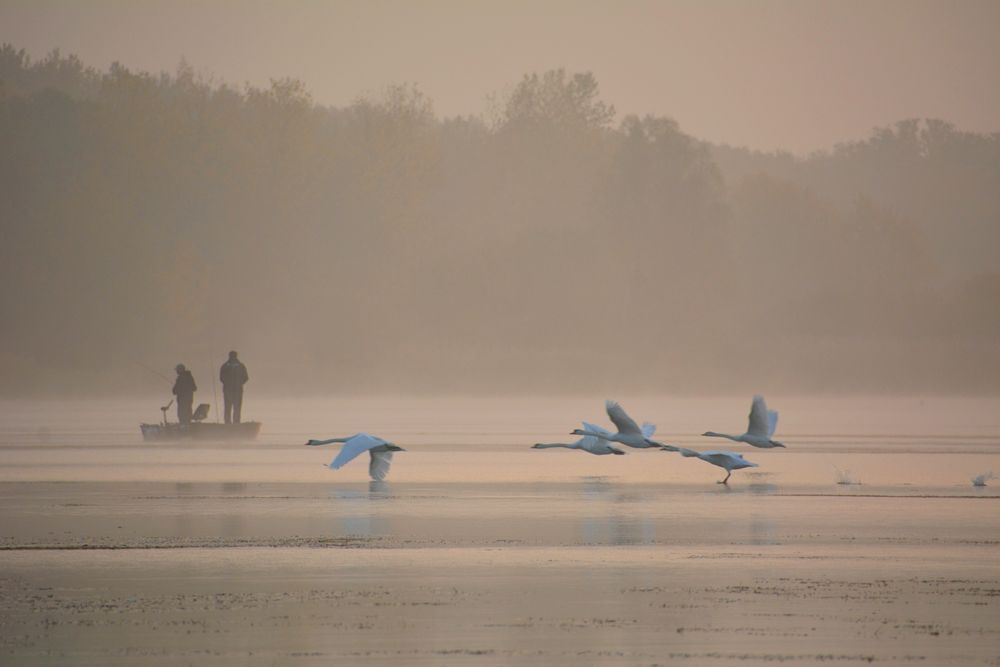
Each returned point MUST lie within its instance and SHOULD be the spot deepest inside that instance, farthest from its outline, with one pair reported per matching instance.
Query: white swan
(628, 433)
(588, 443)
(729, 461)
(763, 423)
(380, 451)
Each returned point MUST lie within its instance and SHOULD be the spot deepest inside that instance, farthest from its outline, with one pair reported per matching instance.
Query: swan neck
(327, 442)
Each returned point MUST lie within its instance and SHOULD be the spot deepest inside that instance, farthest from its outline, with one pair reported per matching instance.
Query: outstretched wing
(354, 446)
(648, 429)
(591, 443)
(378, 468)
(772, 422)
(758, 417)
(620, 419)
(594, 428)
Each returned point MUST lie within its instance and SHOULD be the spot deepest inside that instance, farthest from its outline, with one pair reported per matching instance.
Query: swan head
(775, 443)
(394, 448)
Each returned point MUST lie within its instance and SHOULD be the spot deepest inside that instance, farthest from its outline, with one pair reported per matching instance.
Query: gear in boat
(198, 429)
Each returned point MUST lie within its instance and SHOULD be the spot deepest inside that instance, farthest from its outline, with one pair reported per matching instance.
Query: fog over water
(568, 235)
(462, 226)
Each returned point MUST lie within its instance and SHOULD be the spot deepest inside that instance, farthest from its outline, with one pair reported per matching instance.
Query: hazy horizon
(563, 238)
(744, 74)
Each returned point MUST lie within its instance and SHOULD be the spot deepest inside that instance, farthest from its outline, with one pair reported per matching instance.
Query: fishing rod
(215, 391)
(154, 372)
(163, 377)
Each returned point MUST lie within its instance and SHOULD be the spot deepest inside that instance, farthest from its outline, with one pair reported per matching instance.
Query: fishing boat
(198, 429)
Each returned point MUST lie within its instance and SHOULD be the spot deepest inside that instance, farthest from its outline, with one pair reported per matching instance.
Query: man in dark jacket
(184, 388)
(233, 376)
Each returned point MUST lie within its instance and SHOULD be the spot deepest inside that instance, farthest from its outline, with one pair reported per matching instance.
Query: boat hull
(200, 431)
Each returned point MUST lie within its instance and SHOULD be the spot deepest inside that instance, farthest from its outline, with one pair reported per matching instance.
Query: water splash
(846, 476)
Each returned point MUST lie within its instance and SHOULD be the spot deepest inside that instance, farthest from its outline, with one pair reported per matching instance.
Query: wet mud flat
(594, 572)
(608, 605)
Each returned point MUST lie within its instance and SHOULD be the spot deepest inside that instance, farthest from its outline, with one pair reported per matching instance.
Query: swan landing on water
(380, 451)
(728, 461)
(763, 423)
(628, 433)
(588, 443)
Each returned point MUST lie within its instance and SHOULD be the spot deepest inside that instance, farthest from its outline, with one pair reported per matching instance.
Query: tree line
(543, 245)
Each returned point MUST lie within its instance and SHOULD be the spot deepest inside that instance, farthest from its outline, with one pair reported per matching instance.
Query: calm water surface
(479, 550)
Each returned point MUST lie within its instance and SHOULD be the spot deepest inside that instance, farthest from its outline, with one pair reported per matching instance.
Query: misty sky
(797, 75)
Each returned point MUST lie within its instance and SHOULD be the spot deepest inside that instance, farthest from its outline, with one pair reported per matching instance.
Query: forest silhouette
(543, 246)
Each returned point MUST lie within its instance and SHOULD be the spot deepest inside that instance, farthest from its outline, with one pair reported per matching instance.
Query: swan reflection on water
(362, 510)
(762, 531)
(619, 526)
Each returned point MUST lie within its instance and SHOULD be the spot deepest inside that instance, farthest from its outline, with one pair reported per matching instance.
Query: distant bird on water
(380, 451)
(980, 480)
(588, 443)
(763, 423)
(728, 461)
(628, 433)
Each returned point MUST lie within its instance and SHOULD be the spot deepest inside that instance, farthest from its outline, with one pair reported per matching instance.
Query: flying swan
(380, 451)
(728, 461)
(628, 433)
(588, 443)
(760, 430)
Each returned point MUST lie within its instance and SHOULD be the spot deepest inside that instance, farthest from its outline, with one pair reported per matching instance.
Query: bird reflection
(617, 525)
(762, 531)
(595, 487)
(359, 510)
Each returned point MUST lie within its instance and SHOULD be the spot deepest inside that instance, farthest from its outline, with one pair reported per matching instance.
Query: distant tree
(555, 99)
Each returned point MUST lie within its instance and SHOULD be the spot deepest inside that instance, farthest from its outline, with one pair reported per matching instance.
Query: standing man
(184, 388)
(233, 376)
